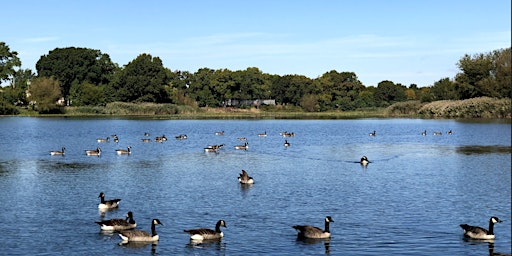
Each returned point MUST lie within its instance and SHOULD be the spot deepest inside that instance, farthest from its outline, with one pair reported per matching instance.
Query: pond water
(409, 200)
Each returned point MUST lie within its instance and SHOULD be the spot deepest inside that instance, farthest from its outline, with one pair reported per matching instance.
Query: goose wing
(134, 233)
(200, 231)
(473, 229)
(113, 222)
(308, 229)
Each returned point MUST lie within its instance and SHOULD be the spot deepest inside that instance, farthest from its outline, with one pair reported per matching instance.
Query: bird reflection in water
(311, 241)
(139, 245)
(212, 243)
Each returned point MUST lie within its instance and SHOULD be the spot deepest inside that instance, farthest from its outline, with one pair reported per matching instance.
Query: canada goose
(424, 133)
(146, 134)
(288, 134)
(210, 149)
(242, 138)
(314, 232)
(364, 161)
(244, 178)
(116, 139)
(58, 153)
(219, 133)
(262, 134)
(438, 133)
(244, 147)
(449, 132)
(145, 140)
(181, 137)
(100, 140)
(374, 133)
(126, 151)
(205, 233)
(478, 232)
(93, 152)
(141, 235)
(286, 143)
(107, 204)
(118, 224)
(161, 138)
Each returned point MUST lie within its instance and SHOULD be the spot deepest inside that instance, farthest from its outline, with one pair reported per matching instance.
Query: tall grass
(483, 107)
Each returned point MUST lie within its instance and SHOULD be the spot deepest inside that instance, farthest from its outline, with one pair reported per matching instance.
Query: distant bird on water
(314, 232)
(107, 204)
(58, 153)
(118, 224)
(244, 178)
(206, 233)
(475, 232)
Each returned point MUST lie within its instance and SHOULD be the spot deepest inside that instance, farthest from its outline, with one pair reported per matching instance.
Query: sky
(403, 41)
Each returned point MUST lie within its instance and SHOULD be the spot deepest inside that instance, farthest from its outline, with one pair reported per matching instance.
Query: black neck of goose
(217, 227)
(153, 229)
(326, 226)
(102, 200)
(491, 228)
(130, 220)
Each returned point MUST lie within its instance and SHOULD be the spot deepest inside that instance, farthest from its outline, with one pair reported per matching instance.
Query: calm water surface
(409, 200)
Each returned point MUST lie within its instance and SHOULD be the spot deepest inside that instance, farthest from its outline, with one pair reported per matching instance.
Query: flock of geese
(128, 233)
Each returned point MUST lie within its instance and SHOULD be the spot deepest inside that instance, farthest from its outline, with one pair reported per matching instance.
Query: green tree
(388, 93)
(290, 89)
(8, 62)
(339, 90)
(444, 89)
(87, 94)
(69, 65)
(142, 80)
(44, 94)
(485, 74)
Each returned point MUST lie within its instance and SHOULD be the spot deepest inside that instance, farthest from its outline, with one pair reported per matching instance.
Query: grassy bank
(471, 108)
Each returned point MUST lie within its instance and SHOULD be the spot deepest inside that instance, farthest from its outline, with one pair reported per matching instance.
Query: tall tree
(69, 65)
(142, 80)
(8, 62)
(388, 93)
(44, 94)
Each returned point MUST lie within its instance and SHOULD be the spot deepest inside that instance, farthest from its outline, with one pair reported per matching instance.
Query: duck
(93, 152)
(58, 153)
(126, 151)
(100, 140)
(262, 134)
(107, 204)
(475, 232)
(364, 161)
(314, 232)
(244, 178)
(206, 233)
(118, 224)
(286, 143)
(374, 133)
(141, 235)
(244, 147)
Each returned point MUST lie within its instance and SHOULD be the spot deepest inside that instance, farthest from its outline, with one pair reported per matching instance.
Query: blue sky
(404, 41)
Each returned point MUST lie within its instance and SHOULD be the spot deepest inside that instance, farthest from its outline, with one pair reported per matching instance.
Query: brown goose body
(206, 233)
(306, 231)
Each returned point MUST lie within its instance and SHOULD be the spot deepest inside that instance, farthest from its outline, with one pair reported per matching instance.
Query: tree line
(87, 77)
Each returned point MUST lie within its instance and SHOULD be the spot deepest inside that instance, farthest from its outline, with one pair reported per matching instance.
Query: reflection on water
(311, 241)
(139, 245)
(478, 149)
